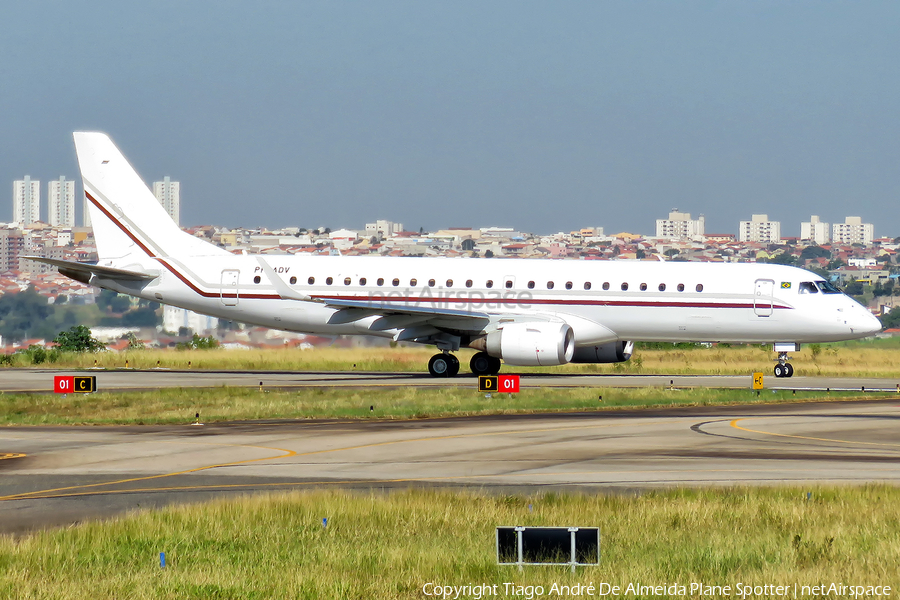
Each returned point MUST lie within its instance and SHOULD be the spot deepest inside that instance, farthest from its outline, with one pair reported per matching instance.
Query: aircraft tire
(480, 364)
(454, 366)
(440, 365)
(780, 371)
(788, 370)
(495, 365)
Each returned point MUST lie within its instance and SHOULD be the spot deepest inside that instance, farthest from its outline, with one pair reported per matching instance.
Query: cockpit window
(808, 287)
(828, 288)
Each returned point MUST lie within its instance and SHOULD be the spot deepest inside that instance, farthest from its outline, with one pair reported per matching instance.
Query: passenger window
(395, 282)
(624, 287)
(256, 279)
(587, 285)
(568, 285)
(362, 281)
(699, 287)
(346, 281)
(605, 285)
(328, 281)
(549, 285)
(509, 284)
(380, 281)
(468, 283)
(431, 283)
(449, 283)
(680, 287)
(530, 285)
(489, 283)
(643, 287)
(808, 287)
(293, 280)
(311, 280)
(412, 282)
(662, 287)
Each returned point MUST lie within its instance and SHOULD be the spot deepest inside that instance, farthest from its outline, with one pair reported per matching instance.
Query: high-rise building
(85, 213)
(169, 195)
(26, 201)
(12, 244)
(679, 226)
(61, 203)
(760, 229)
(815, 231)
(853, 231)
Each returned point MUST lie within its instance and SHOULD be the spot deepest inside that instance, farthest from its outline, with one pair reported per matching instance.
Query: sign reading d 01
(508, 384)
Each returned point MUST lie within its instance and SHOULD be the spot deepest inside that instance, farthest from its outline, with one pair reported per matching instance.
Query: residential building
(383, 228)
(168, 193)
(760, 229)
(26, 201)
(853, 231)
(61, 203)
(175, 318)
(815, 231)
(680, 226)
(12, 244)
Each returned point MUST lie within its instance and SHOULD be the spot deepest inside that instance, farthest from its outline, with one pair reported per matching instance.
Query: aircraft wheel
(789, 370)
(480, 364)
(495, 365)
(440, 365)
(780, 371)
(454, 366)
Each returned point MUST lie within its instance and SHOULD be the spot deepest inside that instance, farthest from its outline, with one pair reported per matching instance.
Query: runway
(59, 475)
(41, 380)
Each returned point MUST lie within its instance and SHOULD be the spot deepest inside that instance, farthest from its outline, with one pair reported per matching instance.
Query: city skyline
(523, 114)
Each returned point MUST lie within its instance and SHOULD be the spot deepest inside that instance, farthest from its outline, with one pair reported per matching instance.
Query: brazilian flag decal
(785, 285)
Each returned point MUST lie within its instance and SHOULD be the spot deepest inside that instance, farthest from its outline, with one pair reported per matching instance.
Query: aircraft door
(228, 292)
(763, 297)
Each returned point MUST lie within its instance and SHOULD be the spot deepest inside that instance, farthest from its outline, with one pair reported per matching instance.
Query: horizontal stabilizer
(84, 271)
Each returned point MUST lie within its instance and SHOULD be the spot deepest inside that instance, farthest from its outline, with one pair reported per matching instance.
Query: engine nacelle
(612, 352)
(532, 344)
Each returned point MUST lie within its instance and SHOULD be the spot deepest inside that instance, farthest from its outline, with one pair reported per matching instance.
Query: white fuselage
(664, 301)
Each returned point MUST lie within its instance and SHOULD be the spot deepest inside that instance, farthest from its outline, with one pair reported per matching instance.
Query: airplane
(523, 312)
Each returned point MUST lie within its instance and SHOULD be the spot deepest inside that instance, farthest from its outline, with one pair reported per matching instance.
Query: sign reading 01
(508, 384)
(74, 384)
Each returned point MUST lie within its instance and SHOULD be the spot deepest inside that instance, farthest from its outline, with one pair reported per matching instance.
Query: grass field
(385, 546)
(875, 358)
(179, 405)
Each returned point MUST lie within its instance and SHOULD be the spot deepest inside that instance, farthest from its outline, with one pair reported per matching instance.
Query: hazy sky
(540, 116)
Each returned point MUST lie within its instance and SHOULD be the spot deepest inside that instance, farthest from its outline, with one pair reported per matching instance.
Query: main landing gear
(447, 365)
(443, 365)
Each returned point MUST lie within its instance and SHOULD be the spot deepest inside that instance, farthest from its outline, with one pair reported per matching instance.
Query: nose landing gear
(784, 368)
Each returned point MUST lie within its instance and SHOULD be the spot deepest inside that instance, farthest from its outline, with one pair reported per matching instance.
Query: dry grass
(390, 545)
(876, 358)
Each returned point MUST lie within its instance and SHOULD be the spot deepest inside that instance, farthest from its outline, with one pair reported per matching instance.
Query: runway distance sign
(757, 381)
(507, 384)
(74, 384)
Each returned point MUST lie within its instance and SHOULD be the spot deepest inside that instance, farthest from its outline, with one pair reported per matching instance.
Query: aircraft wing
(83, 272)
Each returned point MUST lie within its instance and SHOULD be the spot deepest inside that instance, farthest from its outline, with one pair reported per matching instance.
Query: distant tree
(672, 252)
(835, 264)
(78, 339)
(24, 315)
(61, 299)
(199, 343)
(489, 254)
(785, 258)
(814, 252)
(891, 320)
(468, 245)
(640, 253)
(134, 343)
(854, 288)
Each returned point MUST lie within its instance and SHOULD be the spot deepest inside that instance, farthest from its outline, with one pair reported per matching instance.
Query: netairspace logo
(693, 589)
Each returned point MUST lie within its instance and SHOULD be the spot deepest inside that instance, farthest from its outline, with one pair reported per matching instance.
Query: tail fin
(125, 215)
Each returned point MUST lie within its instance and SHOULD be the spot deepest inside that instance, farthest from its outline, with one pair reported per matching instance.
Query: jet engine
(530, 344)
(612, 352)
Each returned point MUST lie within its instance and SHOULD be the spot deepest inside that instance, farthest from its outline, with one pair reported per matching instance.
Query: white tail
(124, 212)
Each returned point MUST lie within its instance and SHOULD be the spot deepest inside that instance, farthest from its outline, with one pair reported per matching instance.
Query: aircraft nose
(865, 323)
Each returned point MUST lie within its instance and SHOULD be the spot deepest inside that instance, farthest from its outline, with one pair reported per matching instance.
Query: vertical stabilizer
(125, 216)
